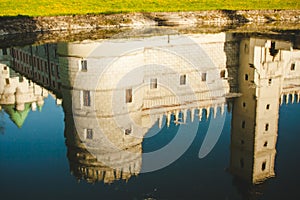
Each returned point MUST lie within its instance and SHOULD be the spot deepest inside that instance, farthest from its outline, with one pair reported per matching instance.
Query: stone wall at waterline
(25, 24)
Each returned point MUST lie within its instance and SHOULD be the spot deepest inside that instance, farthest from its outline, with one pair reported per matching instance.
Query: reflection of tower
(263, 65)
(18, 96)
(98, 149)
(151, 79)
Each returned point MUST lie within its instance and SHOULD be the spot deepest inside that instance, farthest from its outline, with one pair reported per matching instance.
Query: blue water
(33, 164)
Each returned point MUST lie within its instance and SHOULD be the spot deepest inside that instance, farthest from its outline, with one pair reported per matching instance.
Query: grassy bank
(68, 7)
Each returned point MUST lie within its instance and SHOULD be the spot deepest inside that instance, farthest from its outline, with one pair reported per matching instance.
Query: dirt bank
(222, 18)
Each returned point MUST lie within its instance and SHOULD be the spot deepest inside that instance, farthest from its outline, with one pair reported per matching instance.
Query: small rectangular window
(57, 71)
(246, 48)
(45, 66)
(246, 77)
(89, 134)
(268, 106)
(153, 83)
(128, 131)
(222, 74)
(4, 51)
(270, 81)
(83, 65)
(293, 66)
(267, 127)
(263, 166)
(21, 79)
(182, 79)
(52, 69)
(203, 76)
(243, 124)
(244, 104)
(129, 95)
(86, 98)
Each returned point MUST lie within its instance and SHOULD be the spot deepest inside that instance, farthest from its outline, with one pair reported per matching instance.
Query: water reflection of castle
(106, 144)
(19, 94)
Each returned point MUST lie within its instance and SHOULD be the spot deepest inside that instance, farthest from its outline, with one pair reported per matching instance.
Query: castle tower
(255, 113)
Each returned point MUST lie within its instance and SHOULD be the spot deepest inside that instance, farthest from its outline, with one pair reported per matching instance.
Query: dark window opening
(84, 65)
(242, 163)
(273, 51)
(57, 72)
(270, 81)
(243, 124)
(244, 104)
(268, 106)
(89, 134)
(265, 144)
(246, 77)
(52, 70)
(86, 98)
(242, 142)
(263, 166)
(153, 83)
(246, 48)
(182, 79)
(222, 74)
(128, 131)
(203, 76)
(21, 79)
(293, 66)
(267, 127)
(4, 51)
(128, 95)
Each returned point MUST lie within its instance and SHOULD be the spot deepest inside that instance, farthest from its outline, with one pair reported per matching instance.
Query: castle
(115, 90)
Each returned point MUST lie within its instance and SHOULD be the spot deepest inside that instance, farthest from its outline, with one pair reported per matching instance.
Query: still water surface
(199, 116)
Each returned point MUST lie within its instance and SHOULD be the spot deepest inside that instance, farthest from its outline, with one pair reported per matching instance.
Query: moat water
(154, 116)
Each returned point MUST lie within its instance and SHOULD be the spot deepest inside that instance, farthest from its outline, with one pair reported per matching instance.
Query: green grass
(69, 7)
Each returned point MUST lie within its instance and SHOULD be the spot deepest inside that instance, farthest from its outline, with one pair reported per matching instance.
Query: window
(293, 66)
(203, 76)
(52, 69)
(4, 51)
(182, 79)
(129, 95)
(242, 163)
(57, 71)
(127, 131)
(246, 77)
(243, 124)
(244, 104)
(242, 142)
(46, 66)
(153, 83)
(268, 106)
(265, 144)
(7, 81)
(21, 79)
(246, 48)
(266, 127)
(222, 74)
(86, 98)
(263, 166)
(270, 81)
(83, 65)
(89, 134)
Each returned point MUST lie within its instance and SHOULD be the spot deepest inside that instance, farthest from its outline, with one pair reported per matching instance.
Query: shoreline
(25, 24)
